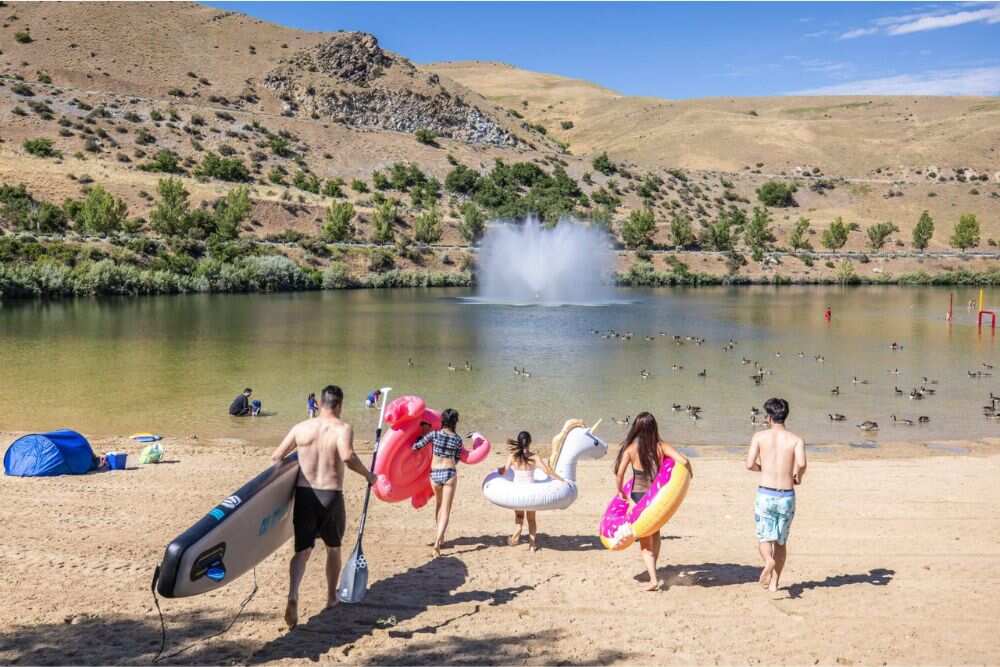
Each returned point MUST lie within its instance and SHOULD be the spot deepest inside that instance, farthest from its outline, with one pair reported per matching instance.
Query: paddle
(354, 577)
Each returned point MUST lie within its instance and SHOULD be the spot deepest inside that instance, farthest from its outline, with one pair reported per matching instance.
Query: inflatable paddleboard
(229, 541)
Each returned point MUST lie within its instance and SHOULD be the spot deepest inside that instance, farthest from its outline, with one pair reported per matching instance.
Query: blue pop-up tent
(62, 452)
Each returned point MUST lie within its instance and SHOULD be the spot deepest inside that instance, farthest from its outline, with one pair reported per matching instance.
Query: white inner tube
(546, 493)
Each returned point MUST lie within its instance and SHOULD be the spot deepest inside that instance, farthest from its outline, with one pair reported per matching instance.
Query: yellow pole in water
(980, 299)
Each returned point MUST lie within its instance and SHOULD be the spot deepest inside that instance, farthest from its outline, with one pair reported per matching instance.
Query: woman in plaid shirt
(447, 448)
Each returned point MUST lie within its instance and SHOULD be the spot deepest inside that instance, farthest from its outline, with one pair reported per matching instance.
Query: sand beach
(894, 559)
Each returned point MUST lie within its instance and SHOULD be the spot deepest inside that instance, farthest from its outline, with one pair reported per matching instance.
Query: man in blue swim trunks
(780, 457)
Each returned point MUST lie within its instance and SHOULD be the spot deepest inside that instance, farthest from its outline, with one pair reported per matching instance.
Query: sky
(686, 50)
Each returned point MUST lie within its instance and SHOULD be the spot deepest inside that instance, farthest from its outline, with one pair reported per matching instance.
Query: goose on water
(868, 425)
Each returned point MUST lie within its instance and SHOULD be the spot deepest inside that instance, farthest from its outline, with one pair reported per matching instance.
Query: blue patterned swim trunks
(773, 511)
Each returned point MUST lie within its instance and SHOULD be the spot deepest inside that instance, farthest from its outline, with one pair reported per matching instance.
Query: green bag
(151, 453)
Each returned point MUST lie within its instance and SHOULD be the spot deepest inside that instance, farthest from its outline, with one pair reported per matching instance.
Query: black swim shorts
(318, 513)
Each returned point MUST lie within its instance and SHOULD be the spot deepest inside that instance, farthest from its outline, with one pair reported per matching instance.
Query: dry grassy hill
(309, 118)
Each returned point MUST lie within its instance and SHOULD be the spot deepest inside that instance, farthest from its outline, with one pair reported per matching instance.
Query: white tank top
(524, 476)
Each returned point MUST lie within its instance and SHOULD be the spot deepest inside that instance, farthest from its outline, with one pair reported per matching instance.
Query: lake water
(173, 364)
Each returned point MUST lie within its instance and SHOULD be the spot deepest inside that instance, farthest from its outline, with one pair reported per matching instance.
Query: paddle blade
(354, 577)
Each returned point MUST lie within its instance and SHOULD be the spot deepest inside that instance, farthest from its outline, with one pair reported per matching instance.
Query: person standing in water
(447, 449)
(312, 407)
(523, 462)
(325, 444)
(780, 457)
(644, 451)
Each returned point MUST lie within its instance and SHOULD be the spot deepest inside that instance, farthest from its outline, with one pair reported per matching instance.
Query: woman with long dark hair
(644, 451)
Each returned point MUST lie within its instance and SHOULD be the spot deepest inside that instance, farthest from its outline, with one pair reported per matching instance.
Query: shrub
(426, 137)
(637, 231)
(566, 125)
(380, 260)
(21, 210)
(846, 274)
(155, 115)
(100, 212)
(427, 227)
(797, 239)
(358, 185)
(923, 231)
(777, 193)
(223, 169)
(966, 232)
(307, 182)
(384, 222)
(281, 146)
(41, 147)
(681, 232)
(603, 164)
(339, 222)
(23, 37)
(167, 162)
(22, 89)
(333, 188)
(337, 277)
(461, 180)
(879, 233)
(144, 137)
(473, 222)
(277, 175)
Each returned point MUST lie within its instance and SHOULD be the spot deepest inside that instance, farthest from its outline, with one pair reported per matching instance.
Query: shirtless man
(325, 444)
(780, 457)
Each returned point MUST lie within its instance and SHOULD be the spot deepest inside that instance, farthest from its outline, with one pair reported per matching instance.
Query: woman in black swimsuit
(644, 450)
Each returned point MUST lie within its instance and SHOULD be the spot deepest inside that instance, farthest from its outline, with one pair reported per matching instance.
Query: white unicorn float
(574, 442)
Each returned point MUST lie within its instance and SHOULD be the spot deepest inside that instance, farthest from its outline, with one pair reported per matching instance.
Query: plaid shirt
(445, 445)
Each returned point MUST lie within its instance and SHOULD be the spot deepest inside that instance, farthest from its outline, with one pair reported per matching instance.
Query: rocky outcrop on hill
(347, 78)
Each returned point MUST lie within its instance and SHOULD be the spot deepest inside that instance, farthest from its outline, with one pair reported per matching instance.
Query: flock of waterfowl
(925, 388)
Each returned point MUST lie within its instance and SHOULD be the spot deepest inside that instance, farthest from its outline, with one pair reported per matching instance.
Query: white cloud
(974, 81)
(934, 19)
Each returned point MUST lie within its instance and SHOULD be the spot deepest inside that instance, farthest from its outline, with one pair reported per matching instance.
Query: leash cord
(163, 624)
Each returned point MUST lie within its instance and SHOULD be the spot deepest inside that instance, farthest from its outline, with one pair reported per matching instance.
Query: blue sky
(684, 50)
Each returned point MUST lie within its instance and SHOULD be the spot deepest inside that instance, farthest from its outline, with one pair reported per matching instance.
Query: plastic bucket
(116, 460)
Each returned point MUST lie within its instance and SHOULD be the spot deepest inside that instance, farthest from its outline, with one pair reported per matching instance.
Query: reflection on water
(173, 364)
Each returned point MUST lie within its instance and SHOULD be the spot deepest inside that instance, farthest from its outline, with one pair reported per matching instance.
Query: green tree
(879, 233)
(797, 239)
(231, 211)
(223, 169)
(171, 215)
(681, 232)
(923, 232)
(757, 234)
(835, 237)
(966, 233)
(307, 182)
(777, 193)
(473, 222)
(101, 213)
(384, 222)
(461, 180)
(427, 227)
(638, 229)
(719, 235)
(845, 273)
(339, 225)
(164, 161)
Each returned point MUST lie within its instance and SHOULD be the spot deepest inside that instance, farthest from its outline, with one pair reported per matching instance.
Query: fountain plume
(529, 264)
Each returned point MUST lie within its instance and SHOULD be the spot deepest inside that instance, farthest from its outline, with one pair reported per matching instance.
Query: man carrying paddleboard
(324, 443)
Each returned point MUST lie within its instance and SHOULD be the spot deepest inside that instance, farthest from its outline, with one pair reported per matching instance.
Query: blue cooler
(116, 460)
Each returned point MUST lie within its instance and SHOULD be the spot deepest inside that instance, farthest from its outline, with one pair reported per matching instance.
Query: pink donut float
(623, 522)
(404, 473)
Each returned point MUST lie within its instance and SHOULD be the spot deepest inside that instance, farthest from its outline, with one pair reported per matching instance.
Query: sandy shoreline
(894, 558)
